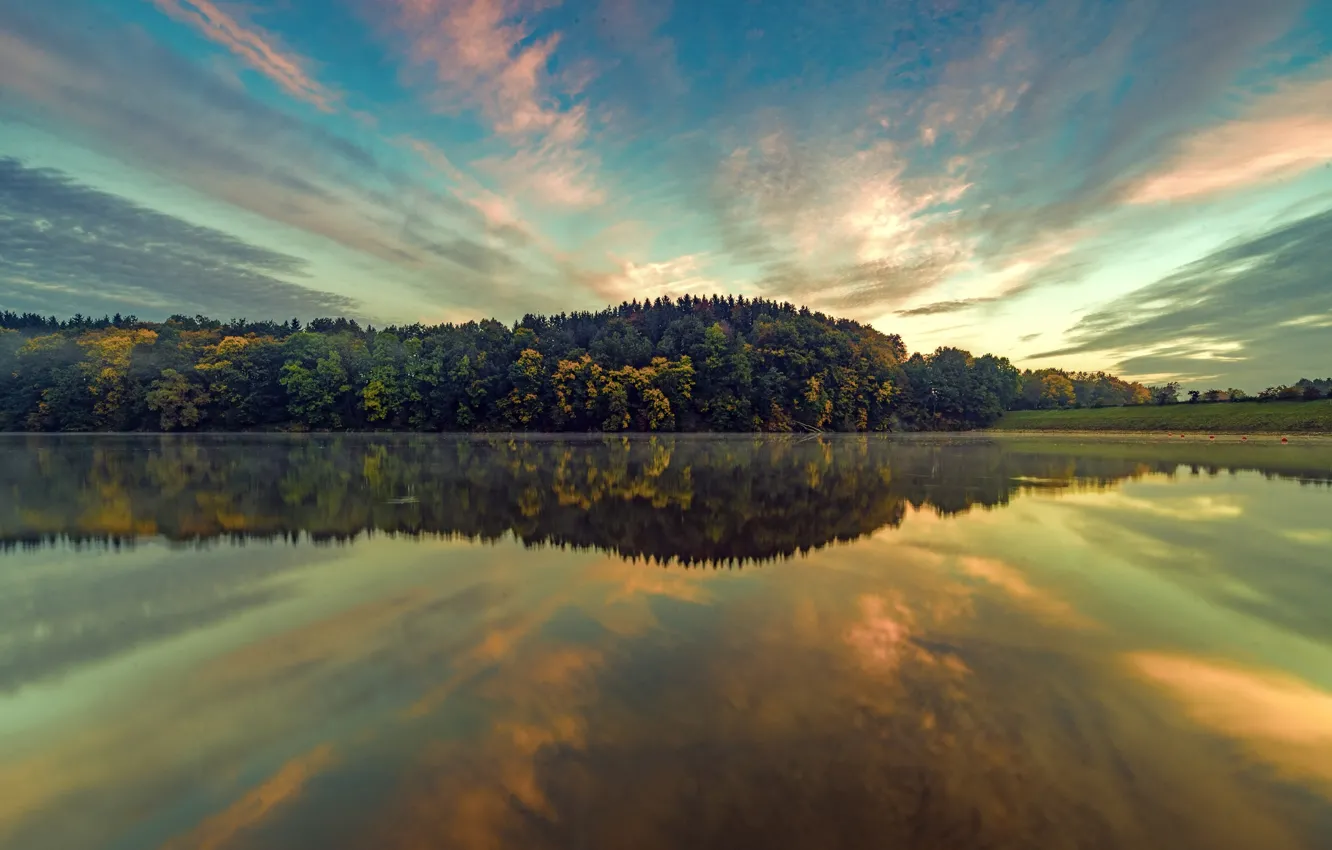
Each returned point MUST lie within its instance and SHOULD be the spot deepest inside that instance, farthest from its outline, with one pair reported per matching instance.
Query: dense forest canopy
(692, 364)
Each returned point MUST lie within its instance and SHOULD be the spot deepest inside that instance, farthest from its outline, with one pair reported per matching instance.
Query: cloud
(480, 55)
(552, 172)
(260, 50)
(850, 174)
(470, 254)
(499, 214)
(673, 277)
(632, 28)
(985, 173)
(1223, 315)
(1021, 130)
(73, 247)
(840, 227)
(940, 307)
(858, 289)
(128, 96)
(483, 55)
(1284, 134)
(1060, 110)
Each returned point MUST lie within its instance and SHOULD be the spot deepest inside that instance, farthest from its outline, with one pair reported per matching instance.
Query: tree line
(688, 364)
(1302, 390)
(692, 364)
(1056, 389)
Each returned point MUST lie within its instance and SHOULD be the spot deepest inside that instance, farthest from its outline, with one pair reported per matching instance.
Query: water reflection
(690, 501)
(1116, 658)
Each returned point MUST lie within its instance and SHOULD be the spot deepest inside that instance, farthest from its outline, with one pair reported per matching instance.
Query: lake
(328, 641)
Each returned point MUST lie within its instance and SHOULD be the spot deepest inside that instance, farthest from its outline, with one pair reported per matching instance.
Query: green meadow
(1296, 417)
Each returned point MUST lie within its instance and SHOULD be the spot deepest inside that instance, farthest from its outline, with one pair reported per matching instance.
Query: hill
(692, 364)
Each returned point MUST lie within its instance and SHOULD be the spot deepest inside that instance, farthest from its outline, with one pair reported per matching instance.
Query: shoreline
(1162, 436)
(1218, 436)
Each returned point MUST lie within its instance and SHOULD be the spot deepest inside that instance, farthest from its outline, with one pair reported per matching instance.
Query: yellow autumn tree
(107, 362)
(524, 404)
(578, 386)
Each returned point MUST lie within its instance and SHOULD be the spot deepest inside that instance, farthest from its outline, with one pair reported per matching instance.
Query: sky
(1140, 186)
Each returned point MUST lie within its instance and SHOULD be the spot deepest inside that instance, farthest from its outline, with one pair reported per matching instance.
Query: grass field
(1294, 417)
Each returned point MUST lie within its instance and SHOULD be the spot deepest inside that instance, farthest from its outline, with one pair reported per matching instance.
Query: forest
(692, 364)
(727, 364)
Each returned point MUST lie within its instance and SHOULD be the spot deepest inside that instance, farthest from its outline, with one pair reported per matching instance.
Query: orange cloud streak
(1281, 720)
(281, 788)
(253, 45)
(1288, 133)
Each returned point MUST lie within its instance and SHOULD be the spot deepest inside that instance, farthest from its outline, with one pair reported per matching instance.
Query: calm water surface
(340, 642)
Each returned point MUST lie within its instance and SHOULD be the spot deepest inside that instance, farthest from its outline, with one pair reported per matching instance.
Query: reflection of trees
(693, 500)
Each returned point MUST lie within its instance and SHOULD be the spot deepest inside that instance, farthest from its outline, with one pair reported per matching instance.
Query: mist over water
(492, 642)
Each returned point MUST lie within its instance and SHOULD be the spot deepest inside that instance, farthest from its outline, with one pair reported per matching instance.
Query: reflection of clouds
(345, 638)
(657, 582)
(138, 734)
(466, 793)
(1247, 564)
(881, 635)
(281, 788)
(1010, 580)
(128, 760)
(1310, 536)
(1201, 508)
(775, 725)
(1283, 721)
(614, 591)
(894, 691)
(1164, 501)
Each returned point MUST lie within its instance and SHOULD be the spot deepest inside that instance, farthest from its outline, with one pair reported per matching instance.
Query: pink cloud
(475, 49)
(882, 636)
(497, 212)
(478, 55)
(1287, 133)
(553, 172)
(565, 187)
(257, 48)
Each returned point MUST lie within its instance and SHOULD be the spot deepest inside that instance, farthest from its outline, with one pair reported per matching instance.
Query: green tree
(1165, 394)
(179, 401)
(314, 394)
